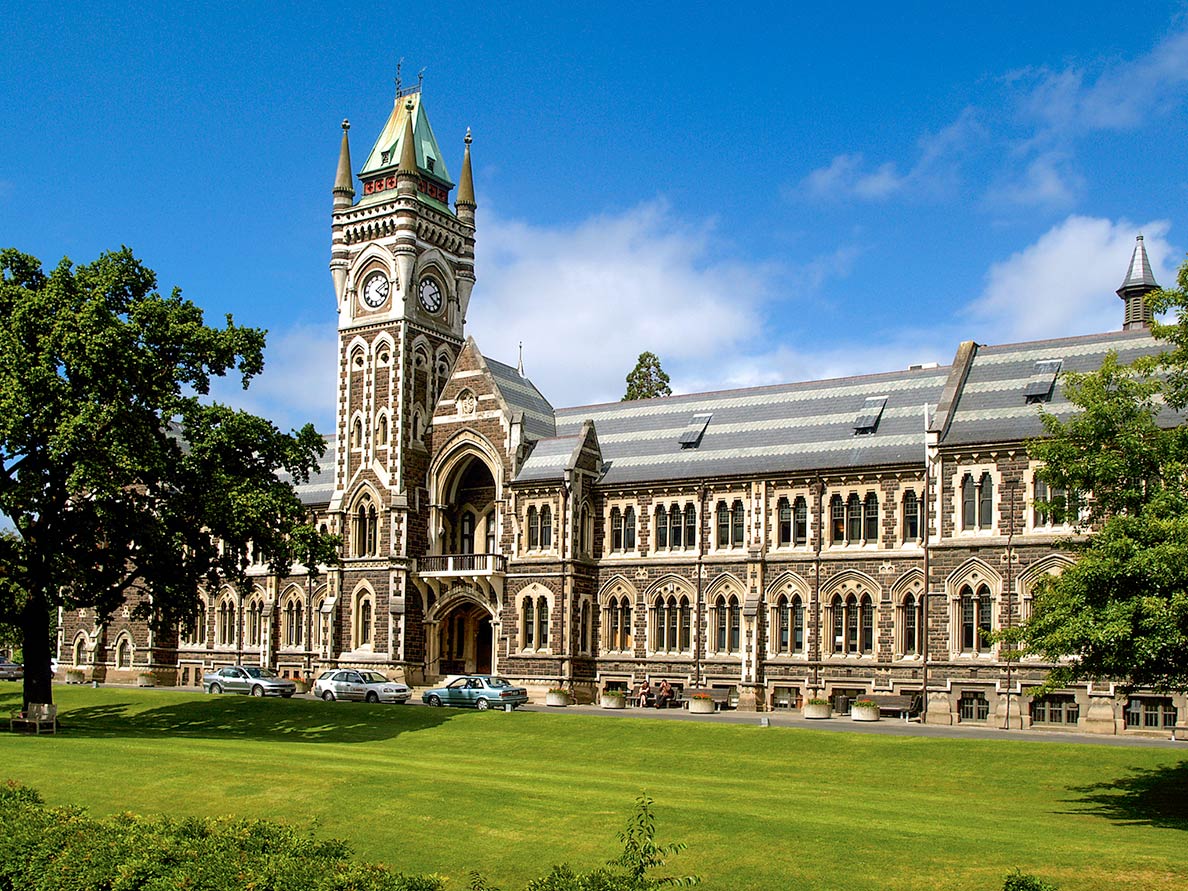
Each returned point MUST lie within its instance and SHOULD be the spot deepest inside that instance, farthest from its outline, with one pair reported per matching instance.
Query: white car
(359, 684)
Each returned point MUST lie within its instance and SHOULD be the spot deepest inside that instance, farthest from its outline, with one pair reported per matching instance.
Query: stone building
(820, 539)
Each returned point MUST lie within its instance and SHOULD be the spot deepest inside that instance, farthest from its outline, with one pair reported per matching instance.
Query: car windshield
(497, 682)
(260, 672)
(373, 677)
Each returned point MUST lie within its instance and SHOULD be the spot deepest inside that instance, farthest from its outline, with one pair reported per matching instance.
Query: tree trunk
(35, 633)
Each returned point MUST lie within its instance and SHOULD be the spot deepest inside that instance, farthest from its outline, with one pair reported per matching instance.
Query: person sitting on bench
(645, 693)
(665, 695)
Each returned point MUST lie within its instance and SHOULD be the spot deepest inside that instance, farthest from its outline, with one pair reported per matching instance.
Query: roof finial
(420, 79)
(408, 151)
(520, 366)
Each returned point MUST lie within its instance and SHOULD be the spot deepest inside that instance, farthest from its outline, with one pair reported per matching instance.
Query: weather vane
(399, 62)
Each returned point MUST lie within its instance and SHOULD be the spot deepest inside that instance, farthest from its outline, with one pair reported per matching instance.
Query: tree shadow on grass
(246, 718)
(1155, 797)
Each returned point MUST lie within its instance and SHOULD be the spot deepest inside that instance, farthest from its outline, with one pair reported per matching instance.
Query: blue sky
(758, 194)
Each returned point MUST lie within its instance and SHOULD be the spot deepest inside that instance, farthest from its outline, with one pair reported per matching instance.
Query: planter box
(558, 700)
(612, 701)
(813, 711)
(74, 676)
(864, 714)
(701, 706)
(146, 680)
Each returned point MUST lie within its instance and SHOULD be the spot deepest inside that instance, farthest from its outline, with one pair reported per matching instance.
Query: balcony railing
(462, 564)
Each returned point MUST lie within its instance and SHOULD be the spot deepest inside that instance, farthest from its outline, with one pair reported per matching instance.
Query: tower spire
(408, 149)
(344, 183)
(464, 204)
(1139, 282)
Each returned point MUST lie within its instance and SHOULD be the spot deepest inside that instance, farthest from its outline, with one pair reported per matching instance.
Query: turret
(1139, 282)
(344, 182)
(464, 205)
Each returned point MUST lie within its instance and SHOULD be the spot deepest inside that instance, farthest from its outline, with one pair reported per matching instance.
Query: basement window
(1039, 386)
(868, 418)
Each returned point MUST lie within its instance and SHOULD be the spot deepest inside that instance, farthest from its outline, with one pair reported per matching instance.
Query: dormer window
(1043, 379)
(867, 420)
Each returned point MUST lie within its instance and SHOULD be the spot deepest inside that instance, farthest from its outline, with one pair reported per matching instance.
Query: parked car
(479, 690)
(248, 679)
(361, 684)
(11, 671)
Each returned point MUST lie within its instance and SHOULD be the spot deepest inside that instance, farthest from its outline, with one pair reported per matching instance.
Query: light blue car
(479, 691)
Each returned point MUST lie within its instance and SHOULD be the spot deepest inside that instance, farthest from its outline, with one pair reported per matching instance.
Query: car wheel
(215, 688)
(372, 696)
(328, 695)
(286, 696)
(482, 705)
(257, 690)
(435, 701)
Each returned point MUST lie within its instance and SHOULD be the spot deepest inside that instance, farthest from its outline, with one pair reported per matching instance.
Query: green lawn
(439, 790)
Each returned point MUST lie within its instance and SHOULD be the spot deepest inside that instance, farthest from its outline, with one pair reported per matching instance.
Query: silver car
(360, 684)
(10, 671)
(248, 679)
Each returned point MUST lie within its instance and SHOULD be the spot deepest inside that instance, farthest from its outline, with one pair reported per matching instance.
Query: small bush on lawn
(62, 849)
(1021, 881)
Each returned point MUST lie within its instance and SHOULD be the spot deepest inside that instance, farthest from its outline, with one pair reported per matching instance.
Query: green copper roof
(385, 155)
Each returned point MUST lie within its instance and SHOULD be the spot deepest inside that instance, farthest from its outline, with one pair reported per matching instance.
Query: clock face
(375, 289)
(430, 294)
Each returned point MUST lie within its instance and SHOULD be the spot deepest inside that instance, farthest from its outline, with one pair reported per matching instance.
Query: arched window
(584, 628)
(686, 623)
(730, 629)
(466, 533)
(616, 529)
(366, 528)
(533, 528)
(629, 529)
(527, 624)
(737, 523)
(294, 620)
(416, 425)
(853, 624)
(124, 653)
(870, 518)
(911, 516)
(783, 522)
(985, 501)
(661, 527)
(866, 633)
(690, 526)
(975, 611)
(672, 624)
(723, 525)
(977, 501)
(584, 529)
(357, 434)
(837, 520)
(364, 622)
(489, 523)
(542, 622)
(546, 527)
(911, 637)
(225, 630)
(616, 617)
(255, 621)
(721, 614)
(80, 651)
(800, 522)
(381, 430)
(318, 622)
(195, 632)
(797, 624)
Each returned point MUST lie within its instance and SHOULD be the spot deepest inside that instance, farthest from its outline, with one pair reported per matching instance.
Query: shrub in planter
(613, 699)
(557, 696)
(146, 679)
(816, 708)
(701, 704)
(864, 710)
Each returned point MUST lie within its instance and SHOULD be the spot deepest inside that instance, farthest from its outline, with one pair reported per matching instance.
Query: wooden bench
(37, 715)
(720, 695)
(897, 704)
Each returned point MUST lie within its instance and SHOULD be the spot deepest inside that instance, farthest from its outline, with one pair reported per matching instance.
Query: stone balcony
(440, 572)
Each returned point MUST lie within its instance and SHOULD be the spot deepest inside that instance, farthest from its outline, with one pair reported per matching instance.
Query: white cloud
(298, 383)
(1050, 180)
(587, 299)
(848, 175)
(1063, 283)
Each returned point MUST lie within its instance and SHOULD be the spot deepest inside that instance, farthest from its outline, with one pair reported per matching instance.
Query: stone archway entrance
(465, 640)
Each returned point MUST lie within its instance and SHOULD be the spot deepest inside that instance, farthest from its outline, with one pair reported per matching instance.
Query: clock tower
(402, 262)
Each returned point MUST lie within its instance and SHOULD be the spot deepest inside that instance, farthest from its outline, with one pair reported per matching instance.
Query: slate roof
(521, 395)
(992, 406)
(549, 459)
(784, 428)
(320, 487)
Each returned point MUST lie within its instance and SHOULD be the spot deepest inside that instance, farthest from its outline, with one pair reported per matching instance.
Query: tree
(121, 478)
(1121, 611)
(647, 379)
